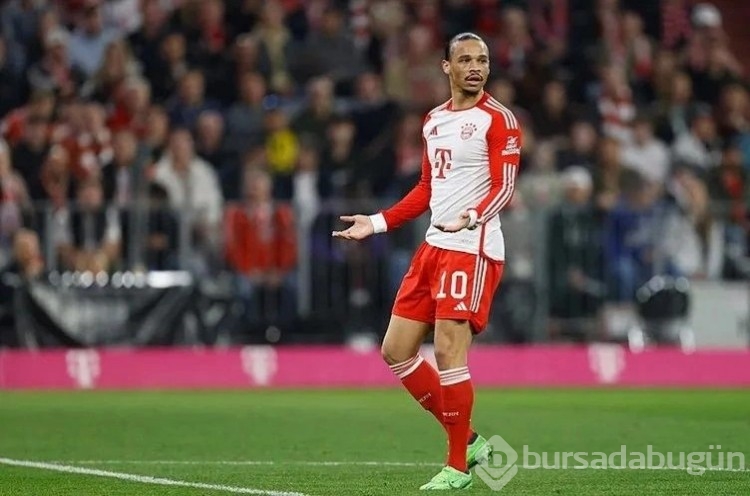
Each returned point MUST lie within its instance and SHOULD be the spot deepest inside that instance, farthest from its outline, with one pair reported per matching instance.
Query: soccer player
(472, 148)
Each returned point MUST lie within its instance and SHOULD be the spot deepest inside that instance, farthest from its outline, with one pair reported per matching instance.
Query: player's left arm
(504, 150)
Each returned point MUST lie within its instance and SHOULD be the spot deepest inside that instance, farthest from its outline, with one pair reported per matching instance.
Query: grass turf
(123, 431)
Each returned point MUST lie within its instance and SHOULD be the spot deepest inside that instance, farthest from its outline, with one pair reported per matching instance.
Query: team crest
(467, 131)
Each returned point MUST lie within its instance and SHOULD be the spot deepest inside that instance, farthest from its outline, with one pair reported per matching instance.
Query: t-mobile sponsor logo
(259, 363)
(607, 361)
(83, 367)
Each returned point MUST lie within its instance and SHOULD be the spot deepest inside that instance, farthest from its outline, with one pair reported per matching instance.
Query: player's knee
(390, 355)
(447, 357)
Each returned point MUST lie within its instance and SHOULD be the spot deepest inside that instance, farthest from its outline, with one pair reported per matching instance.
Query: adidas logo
(434, 131)
(461, 307)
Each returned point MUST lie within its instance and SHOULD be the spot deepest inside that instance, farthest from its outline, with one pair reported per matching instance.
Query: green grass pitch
(270, 442)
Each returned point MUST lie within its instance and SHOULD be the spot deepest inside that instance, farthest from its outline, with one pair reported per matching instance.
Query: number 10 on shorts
(459, 281)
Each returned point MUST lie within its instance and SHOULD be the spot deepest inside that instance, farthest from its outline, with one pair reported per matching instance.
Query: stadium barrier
(320, 367)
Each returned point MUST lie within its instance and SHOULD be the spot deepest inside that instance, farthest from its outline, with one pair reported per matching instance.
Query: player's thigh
(403, 339)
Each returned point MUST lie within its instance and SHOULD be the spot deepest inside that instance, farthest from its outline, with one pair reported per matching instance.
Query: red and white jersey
(470, 162)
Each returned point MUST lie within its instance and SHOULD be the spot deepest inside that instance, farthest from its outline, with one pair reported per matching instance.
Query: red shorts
(446, 284)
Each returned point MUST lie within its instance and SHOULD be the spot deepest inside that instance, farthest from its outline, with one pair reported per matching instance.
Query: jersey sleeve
(504, 150)
(415, 203)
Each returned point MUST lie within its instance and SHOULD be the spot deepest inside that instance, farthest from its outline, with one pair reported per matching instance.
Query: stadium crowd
(207, 132)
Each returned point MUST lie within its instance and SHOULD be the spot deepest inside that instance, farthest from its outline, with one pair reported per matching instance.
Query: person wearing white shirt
(646, 154)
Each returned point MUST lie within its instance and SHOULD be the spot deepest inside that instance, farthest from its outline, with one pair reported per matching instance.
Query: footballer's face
(468, 67)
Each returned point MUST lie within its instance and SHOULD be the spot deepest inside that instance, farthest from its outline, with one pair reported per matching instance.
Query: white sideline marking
(360, 463)
(143, 479)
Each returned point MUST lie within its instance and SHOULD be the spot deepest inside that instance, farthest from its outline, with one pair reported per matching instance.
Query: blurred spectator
(675, 23)
(633, 231)
(91, 38)
(245, 58)
(55, 177)
(512, 49)
(340, 158)
(131, 107)
(665, 70)
(580, 148)
(162, 232)
(13, 200)
(189, 180)
(27, 262)
(540, 184)
(318, 110)
(41, 105)
(48, 22)
(615, 104)
(375, 118)
(212, 38)
(330, 51)
(407, 154)
(123, 16)
(260, 246)
(672, 117)
(709, 61)
(19, 19)
(209, 140)
(86, 138)
(117, 65)
(411, 78)
(699, 146)
(607, 174)
(308, 187)
(194, 191)
(55, 72)
(276, 46)
(692, 239)
(146, 41)
(549, 21)
(575, 256)
(29, 154)
(245, 116)
(646, 154)
(517, 302)
(190, 100)
(636, 50)
(10, 81)
(122, 177)
(734, 117)
(282, 150)
(91, 234)
(157, 131)
(552, 117)
(728, 185)
(171, 67)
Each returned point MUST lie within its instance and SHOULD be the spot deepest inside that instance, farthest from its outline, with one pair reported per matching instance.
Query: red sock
(423, 383)
(458, 400)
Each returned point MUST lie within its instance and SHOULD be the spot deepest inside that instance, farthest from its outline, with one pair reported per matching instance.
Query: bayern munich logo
(467, 131)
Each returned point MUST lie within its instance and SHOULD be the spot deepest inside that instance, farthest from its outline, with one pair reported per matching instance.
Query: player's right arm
(411, 206)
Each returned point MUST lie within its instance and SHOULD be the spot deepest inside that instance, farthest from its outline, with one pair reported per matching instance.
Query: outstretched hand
(462, 223)
(361, 227)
